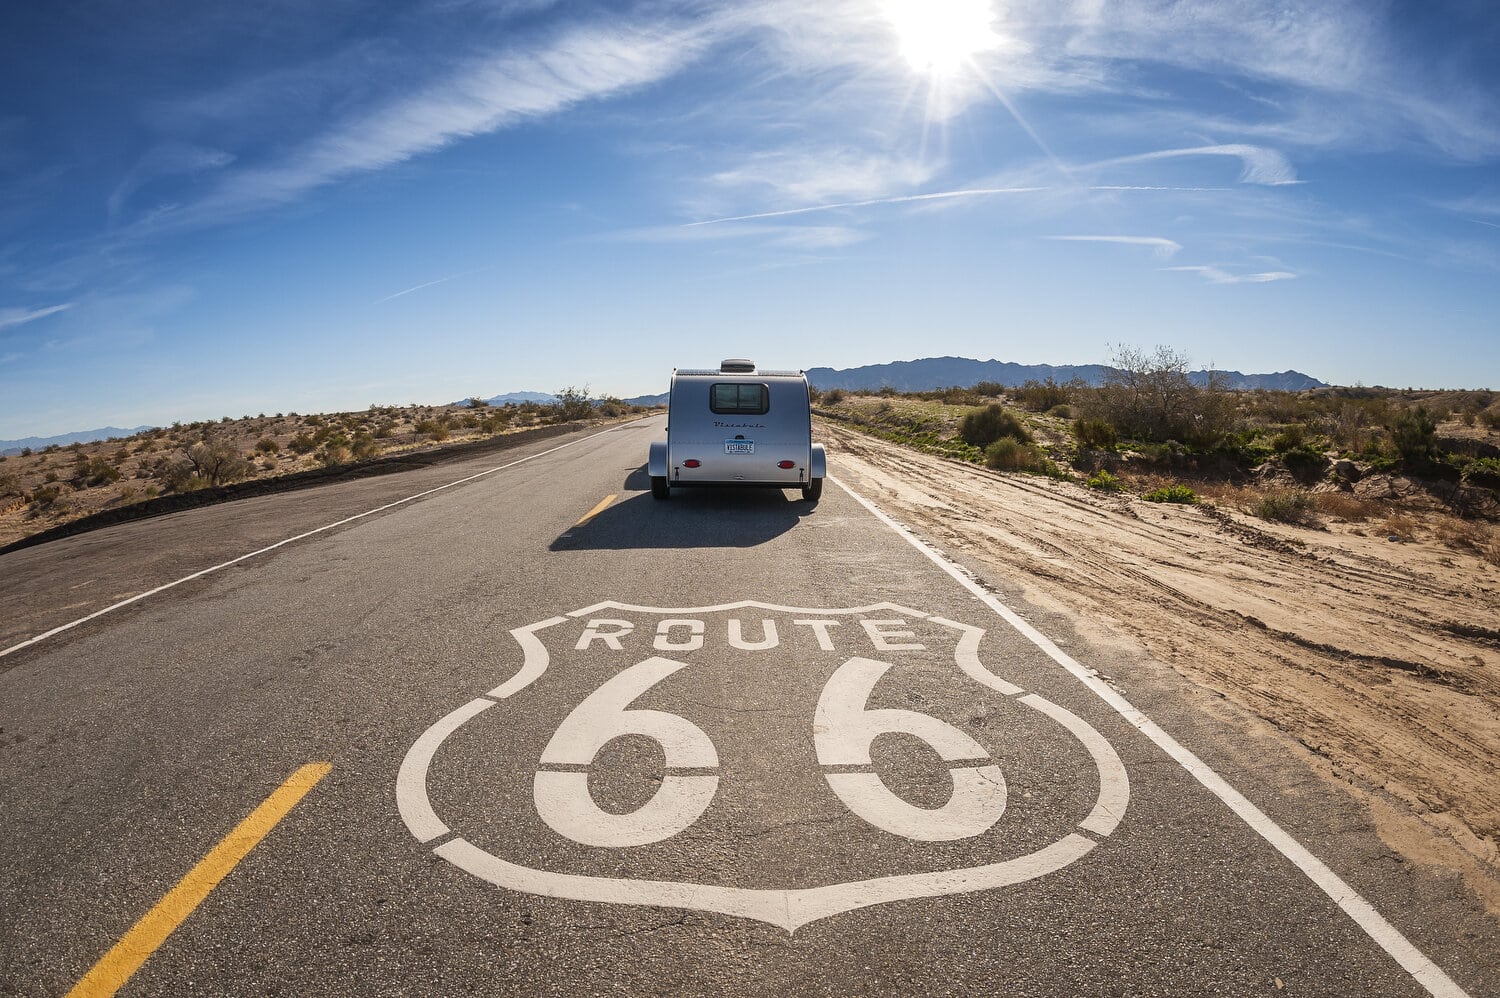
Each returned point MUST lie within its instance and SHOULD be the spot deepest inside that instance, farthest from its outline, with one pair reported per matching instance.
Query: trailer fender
(656, 463)
(819, 461)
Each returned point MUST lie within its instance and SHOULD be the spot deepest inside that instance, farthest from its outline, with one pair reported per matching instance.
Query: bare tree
(1149, 396)
(217, 461)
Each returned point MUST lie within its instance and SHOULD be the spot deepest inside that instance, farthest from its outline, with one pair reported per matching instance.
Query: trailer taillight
(692, 462)
(786, 464)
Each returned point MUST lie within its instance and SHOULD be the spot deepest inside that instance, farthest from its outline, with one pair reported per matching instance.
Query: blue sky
(216, 208)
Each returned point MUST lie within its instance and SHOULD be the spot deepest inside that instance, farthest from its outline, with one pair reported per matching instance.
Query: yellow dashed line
(146, 936)
(597, 509)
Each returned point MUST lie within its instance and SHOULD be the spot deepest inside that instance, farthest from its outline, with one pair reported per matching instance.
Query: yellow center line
(597, 509)
(115, 967)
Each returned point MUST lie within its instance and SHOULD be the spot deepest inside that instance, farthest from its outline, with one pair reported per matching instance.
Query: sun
(940, 37)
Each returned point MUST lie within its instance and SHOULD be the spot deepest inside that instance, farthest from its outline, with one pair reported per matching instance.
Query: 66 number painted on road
(844, 726)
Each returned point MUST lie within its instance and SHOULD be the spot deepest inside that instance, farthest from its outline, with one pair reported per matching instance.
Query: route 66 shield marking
(710, 687)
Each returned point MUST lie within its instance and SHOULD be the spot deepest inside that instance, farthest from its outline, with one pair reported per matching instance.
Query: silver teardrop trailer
(738, 426)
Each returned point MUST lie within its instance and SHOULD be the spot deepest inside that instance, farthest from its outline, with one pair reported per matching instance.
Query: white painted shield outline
(789, 909)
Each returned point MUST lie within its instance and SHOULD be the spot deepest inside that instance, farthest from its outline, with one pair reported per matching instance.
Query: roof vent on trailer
(736, 365)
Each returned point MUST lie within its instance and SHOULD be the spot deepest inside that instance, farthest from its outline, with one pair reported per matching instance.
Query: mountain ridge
(8, 447)
(929, 373)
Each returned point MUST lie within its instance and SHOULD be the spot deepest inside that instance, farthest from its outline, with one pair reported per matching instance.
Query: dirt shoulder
(1382, 658)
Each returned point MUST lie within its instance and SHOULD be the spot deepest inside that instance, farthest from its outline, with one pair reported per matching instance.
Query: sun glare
(939, 37)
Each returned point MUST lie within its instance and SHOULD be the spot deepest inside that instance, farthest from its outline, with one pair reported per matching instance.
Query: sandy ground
(1381, 658)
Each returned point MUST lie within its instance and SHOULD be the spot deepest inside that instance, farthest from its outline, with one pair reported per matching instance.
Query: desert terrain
(1372, 639)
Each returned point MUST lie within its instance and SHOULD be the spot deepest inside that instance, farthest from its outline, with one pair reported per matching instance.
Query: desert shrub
(218, 461)
(983, 427)
(1284, 506)
(1483, 471)
(266, 445)
(1490, 418)
(1061, 411)
(172, 472)
(1399, 525)
(1040, 396)
(1345, 507)
(10, 485)
(1095, 433)
(302, 444)
(1150, 397)
(1303, 460)
(127, 493)
(1105, 482)
(45, 497)
(1010, 454)
(1176, 493)
(364, 446)
(96, 471)
(1413, 435)
(333, 455)
(573, 403)
(1291, 437)
(26, 451)
(833, 396)
(475, 402)
(1471, 535)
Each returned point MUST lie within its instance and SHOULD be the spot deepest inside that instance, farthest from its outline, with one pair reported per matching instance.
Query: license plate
(739, 447)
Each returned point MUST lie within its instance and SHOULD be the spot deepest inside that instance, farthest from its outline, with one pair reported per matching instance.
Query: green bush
(573, 403)
(1177, 493)
(1284, 506)
(1413, 434)
(983, 427)
(302, 444)
(267, 446)
(1105, 482)
(1095, 433)
(1010, 454)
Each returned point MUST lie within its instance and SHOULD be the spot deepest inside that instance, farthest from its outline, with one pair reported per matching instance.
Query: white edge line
(1386, 935)
(272, 547)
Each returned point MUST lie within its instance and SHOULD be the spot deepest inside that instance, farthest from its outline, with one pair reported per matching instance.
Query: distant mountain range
(10, 447)
(946, 372)
(515, 398)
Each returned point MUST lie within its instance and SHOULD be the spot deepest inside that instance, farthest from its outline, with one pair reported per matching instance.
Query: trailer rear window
(740, 399)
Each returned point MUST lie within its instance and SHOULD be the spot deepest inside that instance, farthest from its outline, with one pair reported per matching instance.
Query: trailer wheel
(659, 487)
(813, 490)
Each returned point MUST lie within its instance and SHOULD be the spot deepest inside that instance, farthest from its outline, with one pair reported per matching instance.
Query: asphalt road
(733, 743)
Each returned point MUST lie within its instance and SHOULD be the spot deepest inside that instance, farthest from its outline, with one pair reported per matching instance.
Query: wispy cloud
(429, 284)
(492, 93)
(1259, 165)
(1215, 275)
(173, 158)
(904, 199)
(1160, 246)
(10, 317)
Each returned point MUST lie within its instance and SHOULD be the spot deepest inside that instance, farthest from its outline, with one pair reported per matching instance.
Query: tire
(659, 487)
(813, 490)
